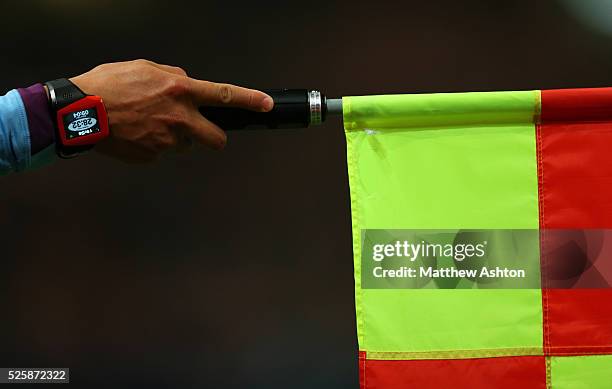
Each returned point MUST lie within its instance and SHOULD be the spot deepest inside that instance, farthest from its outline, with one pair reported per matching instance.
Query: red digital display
(83, 123)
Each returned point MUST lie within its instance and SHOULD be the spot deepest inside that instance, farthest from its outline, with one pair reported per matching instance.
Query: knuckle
(177, 86)
(180, 70)
(101, 66)
(225, 93)
(160, 142)
(176, 118)
(143, 64)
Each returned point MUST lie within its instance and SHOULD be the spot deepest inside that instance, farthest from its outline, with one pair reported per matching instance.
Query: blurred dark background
(234, 269)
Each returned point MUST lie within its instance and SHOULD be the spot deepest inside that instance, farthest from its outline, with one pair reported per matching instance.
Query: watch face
(81, 123)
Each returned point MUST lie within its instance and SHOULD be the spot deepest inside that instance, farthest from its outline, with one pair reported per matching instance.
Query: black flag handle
(293, 108)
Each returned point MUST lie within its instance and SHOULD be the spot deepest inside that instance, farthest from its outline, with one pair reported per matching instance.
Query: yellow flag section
(444, 161)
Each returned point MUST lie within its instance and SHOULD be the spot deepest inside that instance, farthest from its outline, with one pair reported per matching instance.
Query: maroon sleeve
(40, 122)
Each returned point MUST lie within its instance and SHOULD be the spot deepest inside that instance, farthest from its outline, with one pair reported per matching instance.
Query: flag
(494, 162)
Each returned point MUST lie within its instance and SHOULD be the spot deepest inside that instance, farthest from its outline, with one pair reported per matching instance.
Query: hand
(153, 108)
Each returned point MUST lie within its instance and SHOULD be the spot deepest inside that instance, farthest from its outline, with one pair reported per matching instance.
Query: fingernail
(267, 104)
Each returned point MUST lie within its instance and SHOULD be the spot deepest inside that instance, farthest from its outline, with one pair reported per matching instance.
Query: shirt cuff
(40, 121)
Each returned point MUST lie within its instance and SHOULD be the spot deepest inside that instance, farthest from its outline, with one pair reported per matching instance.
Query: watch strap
(63, 92)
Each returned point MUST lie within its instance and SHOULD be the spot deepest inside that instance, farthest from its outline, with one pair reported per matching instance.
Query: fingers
(204, 132)
(216, 94)
(213, 94)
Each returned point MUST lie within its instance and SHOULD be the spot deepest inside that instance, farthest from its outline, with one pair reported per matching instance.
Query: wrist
(80, 119)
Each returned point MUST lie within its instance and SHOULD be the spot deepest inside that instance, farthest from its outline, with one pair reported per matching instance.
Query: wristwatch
(80, 121)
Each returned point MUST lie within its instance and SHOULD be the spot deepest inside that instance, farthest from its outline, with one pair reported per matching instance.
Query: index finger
(214, 94)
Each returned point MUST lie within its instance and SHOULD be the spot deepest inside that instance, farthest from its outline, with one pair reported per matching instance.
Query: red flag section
(527, 372)
(574, 141)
